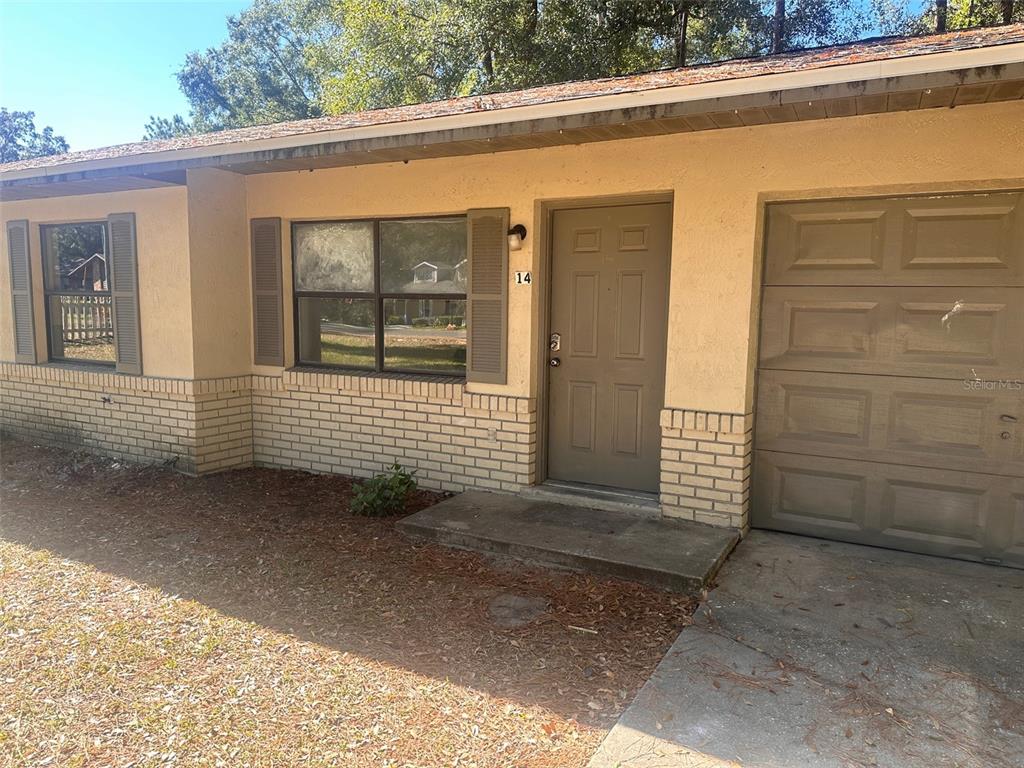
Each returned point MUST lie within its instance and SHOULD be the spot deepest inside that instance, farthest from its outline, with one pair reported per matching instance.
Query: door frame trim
(544, 212)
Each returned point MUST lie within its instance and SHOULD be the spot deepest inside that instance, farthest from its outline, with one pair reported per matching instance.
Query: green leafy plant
(384, 494)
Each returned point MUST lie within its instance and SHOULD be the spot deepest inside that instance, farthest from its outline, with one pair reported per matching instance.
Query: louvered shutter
(267, 321)
(124, 292)
(487, 318)
(21, 292)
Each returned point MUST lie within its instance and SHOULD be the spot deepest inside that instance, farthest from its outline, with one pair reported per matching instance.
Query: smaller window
(79, 319)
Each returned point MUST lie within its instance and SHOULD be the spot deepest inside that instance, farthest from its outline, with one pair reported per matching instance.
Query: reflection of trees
(335, 256)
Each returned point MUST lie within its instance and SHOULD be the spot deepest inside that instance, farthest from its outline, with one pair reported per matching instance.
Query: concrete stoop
(672, 554)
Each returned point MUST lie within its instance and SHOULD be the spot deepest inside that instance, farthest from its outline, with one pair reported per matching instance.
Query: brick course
(353, 424)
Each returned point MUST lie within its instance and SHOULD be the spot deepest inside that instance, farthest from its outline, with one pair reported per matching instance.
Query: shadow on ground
(279, 549)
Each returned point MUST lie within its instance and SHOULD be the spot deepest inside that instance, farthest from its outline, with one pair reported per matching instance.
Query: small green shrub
(384, 494)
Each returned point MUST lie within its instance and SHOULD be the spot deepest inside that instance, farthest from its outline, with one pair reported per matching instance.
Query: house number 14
(524, 278)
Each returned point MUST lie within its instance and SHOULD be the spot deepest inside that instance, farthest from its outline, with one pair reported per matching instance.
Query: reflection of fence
(86, 317)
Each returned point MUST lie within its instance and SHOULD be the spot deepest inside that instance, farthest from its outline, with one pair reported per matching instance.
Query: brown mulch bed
(148, 618)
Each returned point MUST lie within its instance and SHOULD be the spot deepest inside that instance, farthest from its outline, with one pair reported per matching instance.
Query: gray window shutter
(21, 292)
(487, 318)
(267, 320)
(124, 292)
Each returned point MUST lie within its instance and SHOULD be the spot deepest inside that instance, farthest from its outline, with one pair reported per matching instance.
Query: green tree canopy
(292, 59)
(19, 139)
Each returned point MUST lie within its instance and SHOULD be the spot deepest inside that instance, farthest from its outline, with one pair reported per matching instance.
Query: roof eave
(992, 63)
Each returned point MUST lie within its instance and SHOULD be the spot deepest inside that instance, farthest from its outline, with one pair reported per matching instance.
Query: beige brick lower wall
(705, 466)
(353, 424)
(360, 425)
(196, 426)
(144, 419)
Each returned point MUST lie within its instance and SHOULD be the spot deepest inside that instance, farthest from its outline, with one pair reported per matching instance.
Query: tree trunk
(1007, 11)
(684, 22)
(532, 16)
(779, 27)
(940, 15)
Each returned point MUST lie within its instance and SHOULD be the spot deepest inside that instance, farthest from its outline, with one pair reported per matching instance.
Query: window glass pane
(424, 256)
(334, 256)
(426, 335)
(76, 257)
(337, 332)
(81, 328)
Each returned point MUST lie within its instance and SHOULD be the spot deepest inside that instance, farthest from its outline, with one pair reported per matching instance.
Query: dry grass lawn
(245, 619)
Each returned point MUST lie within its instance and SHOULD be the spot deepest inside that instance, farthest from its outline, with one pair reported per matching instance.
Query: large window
(386, 295)
(78, 314)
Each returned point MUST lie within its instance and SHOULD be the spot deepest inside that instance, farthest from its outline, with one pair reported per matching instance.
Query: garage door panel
(954, 333)
(920, 422)
(960, 234)
(826, 498)
(937, 511)
(1016, 533)
(961, 514)
(968, 239)
(959, 333)
(812, 243)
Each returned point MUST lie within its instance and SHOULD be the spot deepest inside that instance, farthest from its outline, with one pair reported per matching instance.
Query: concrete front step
(672, 554)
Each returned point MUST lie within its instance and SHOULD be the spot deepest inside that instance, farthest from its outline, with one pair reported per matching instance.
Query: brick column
(705, 466)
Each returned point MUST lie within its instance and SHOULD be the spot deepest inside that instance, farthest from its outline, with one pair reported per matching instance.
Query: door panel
(936, 423)
(971, 239)
(954, 333)
(940, 512)
(890, 402)
(609, 304)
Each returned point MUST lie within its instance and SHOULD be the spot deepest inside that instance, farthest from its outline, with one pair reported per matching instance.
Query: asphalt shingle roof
(874, 50)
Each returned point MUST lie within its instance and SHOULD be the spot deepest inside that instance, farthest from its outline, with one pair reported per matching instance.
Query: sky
(59, 60)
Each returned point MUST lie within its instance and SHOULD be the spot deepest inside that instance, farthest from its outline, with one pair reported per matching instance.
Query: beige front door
(609, 319)
(890, 404)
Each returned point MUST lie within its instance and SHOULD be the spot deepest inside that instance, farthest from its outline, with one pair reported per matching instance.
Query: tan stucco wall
(219, 259)
(161, 218)
(716, 177)
(194, 246)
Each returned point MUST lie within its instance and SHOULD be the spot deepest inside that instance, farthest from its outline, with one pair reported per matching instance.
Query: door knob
(1008, 418)
(554, 362)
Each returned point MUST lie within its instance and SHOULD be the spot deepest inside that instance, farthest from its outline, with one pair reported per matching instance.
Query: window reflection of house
(89, 274)
(433, 277)
(443, 278)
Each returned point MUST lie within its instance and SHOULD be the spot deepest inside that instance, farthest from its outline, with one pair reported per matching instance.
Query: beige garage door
(890, 393)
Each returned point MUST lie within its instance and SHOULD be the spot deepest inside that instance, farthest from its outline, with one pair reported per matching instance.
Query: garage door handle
(1008, 418)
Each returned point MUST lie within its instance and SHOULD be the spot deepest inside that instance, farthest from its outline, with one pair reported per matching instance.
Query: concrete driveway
(811, 654)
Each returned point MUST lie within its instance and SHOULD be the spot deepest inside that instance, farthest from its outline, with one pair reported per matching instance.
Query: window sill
(82, 365)
(362, 373)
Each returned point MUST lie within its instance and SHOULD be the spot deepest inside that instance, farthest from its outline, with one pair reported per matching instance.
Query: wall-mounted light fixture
(516, 235)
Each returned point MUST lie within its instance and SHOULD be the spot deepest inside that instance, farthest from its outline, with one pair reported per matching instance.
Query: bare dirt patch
(148, 618)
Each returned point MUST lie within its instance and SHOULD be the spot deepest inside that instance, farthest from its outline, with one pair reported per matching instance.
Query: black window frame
(48, 293)
(377, 296)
